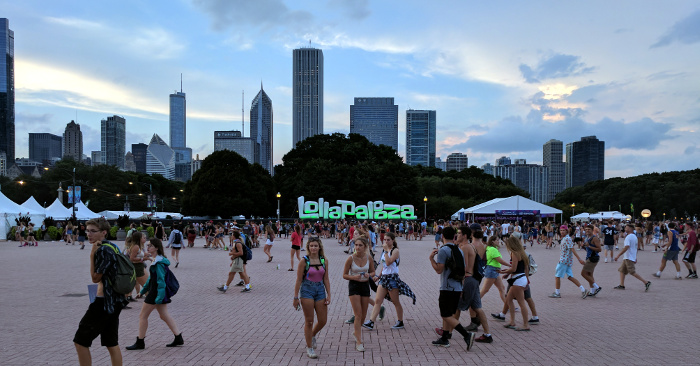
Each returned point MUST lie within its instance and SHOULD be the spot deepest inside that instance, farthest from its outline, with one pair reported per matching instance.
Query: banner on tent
(517, 212)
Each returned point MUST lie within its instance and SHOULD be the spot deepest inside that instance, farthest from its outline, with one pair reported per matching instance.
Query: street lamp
(425, 208)
(278, 208)
(573, 209)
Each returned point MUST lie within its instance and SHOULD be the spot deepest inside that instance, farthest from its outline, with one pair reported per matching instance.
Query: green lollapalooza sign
(373, 210)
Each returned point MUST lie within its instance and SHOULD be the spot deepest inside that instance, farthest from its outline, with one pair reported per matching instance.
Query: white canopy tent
(113, 215)
(517, 205)
(84, 213)
(615, 215)
(32, 204)
(57, 211)
(9, 211)
(581, 217)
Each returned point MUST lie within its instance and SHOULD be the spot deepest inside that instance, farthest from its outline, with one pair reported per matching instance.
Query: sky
(504, 77)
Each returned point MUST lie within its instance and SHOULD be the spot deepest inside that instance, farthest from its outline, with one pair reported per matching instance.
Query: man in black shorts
(610, 239)
(102, 317)
(450, 288)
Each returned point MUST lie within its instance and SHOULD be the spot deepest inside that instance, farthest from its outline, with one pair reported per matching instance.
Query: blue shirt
(674, 242)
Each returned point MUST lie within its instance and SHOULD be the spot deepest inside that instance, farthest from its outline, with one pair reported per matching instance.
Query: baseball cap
(475, 227)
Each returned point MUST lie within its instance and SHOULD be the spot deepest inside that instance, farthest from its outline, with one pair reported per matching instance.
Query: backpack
(456, 272)
(178, 238)
(171, 284)
(479, 268)
(247, 241)
(308, 264)
(125, 278)
(247, 253)
(533, 264)
(398, 260)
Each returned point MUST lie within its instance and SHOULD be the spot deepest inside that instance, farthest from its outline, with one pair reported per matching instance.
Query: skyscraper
(45, 147)
(7, 90)
(420, 137)
(113, 141)
(178, 120)
(457, 161)
(140, 152)
(233, 141)
(552, 158)
(307, 104)
(377, 119)
(73, 141)
(160, 158)
(529, 177)
(585, 161)
(261, 128)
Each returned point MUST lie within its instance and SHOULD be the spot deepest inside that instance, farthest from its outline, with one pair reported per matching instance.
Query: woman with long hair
(269, 241)
(138, 257)
(82, 234)
(69, 233)
(519, 280)
(296, 246)
(390, 285)
(156, 298)
(312, 292)
(494, 260)
(358, 269)
(550, 235)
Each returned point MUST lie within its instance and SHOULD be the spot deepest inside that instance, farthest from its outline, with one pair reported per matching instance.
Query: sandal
(508, 326)
(269, 260)
(291, 269)
(522, 329)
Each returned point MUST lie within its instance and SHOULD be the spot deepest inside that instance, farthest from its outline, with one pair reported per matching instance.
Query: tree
(228, 185)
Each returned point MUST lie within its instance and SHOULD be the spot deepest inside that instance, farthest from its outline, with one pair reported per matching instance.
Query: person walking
(270, 239)
(671, 253)
(565, 263)
(156, 298)
(518, 282)
(238, 262)
(629, 260)
(175, 242)
(610, 235)
(593, 248)
(358, 269)
(82, 235)
(138, 258)
(691, 248)
(296, 246)
(312, 292)
(494, 261)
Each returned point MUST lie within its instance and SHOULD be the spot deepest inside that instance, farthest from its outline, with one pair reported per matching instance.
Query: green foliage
(12, 233)
(113, 232)
(49, 221)
(123, 221)
(151, 231)
(673, 193)
(228, 185)
(54, 233)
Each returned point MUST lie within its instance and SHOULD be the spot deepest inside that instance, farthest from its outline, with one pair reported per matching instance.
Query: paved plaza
(43, 295)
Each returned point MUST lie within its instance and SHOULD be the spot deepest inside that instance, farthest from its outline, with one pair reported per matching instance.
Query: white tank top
(356, 270)
(389, 269)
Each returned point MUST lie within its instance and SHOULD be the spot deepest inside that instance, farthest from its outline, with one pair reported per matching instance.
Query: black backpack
(125, 278)
(247, 253)
(171, 284)
(455, 263)
(178, 238)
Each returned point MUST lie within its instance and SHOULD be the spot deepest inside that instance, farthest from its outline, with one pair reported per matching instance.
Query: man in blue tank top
(671, 253)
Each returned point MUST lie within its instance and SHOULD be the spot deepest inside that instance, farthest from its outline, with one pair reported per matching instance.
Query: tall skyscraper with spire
(178, 135)
(73, 141)
(7, 91)
(307, 103)
(261, 128)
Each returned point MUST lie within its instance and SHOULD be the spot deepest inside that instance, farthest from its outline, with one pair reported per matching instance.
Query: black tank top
(520, 268)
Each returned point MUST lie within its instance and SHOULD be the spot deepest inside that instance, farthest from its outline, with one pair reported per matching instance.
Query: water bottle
(278, 266)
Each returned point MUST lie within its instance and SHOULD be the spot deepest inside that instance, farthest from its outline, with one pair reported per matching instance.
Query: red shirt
(296, 239)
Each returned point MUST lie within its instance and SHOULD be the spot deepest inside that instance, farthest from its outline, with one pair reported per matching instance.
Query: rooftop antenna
(180, 82)
(242, 114)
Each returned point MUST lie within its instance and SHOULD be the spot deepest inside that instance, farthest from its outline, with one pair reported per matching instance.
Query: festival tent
(134, 215)
(510, 206)
(32, 204)
(57, 211)
(84, 213)
(581, 217)
(9, 211)
(616, 215)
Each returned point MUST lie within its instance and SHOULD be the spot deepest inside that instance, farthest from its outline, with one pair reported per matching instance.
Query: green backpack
(125, 278)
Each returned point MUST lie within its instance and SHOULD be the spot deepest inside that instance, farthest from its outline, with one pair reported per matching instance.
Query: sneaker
(351, 320)
(311, 353)
(222, 289)
(368, 325)
(533, 321)
(470, 340)
(240, 283)
(246, 289)
(472, 327)
(695, 275)
(498, 316)
(441, 342)
(360, 347)
(646, 286)
(596, 291)
(606, 260)
(438, 331)
(398, 325)
(584, 294)
(313, 342)
(484, 339)
(616, 248)
(679, 277)
(654, 251)
(619, 287)
(177, 264)
(382, 312)
(690, 275)
(656, 275)
(555, 295)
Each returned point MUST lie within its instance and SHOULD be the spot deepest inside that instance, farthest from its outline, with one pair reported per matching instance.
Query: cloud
(556, 66)
(156, 43)
(665, 75)
(263, 14)
(355, 9)
(690, 150)
(686, 31)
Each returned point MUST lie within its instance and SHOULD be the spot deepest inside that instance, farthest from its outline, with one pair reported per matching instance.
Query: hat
(563, 227)
(517, 234)
(475, 227)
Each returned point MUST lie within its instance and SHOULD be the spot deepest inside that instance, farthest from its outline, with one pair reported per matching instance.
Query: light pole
(73, 193)
(425, 208)
(573, 209)
(278, 208)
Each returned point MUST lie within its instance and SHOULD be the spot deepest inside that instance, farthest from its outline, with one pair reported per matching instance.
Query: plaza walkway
(43, 295)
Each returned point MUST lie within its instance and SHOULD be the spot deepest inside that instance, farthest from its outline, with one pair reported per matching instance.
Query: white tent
(616, 215)
(516, 205)
(32, 204)
(9, 211)
(134, 215)
(57, 211)
(581, 217)
(84, 213)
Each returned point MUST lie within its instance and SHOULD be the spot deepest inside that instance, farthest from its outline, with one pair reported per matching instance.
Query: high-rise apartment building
(585, 161)
(261, 128)
(307, 84)
(487, 168)
(421, 131)
(457, 161)
(442, 165)
(140, 152)
(233, 141)
(529, 177)
(503, 160)
(377, 119)
(113, 141)
(160, 158)
(45, 147)
(73, 141)
(95, 158)
(552, 158)
(7, 90)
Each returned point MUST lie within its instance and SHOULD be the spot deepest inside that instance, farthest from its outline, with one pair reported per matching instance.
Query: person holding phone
(358, 269)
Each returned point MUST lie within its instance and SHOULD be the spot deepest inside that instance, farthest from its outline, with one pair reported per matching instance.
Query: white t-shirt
(631, 253)
(504, 229)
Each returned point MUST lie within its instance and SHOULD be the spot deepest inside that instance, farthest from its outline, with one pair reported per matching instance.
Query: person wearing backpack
(450, 266)
(102, 317)
(156, 296)
(238, 259)
(175, 242)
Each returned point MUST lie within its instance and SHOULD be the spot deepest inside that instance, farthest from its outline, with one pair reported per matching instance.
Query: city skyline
(502, 84)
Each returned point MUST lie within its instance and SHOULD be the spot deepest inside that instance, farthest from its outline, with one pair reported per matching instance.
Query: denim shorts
(491, 272)
(312, 290)
(389, 284)
(563, 271)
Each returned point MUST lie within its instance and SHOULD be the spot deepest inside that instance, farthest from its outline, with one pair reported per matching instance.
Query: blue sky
(504, 77)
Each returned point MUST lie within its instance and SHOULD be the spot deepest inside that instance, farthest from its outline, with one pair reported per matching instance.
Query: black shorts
(526, 295)
(296, 247)
(177, 248)
(689, 257)
(358, 288)
(448, 302)
(96, 322)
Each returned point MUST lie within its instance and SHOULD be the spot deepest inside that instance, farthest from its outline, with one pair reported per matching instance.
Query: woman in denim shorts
(493, 265)
(313, 288)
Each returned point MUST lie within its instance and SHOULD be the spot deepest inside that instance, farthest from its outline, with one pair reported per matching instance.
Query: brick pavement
(261, 327)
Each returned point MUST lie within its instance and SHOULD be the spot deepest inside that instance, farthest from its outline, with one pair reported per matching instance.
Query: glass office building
(552, 158)
(7, 90)
(113, 141)
(585, 161)
(377, 119)
(420, 137)
(45, 147)
(307, 102)
(261, 128)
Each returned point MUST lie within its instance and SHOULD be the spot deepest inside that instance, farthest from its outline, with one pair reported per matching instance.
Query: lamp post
(573, 209)
(73, 192)
(278, 208)
(425, 208)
